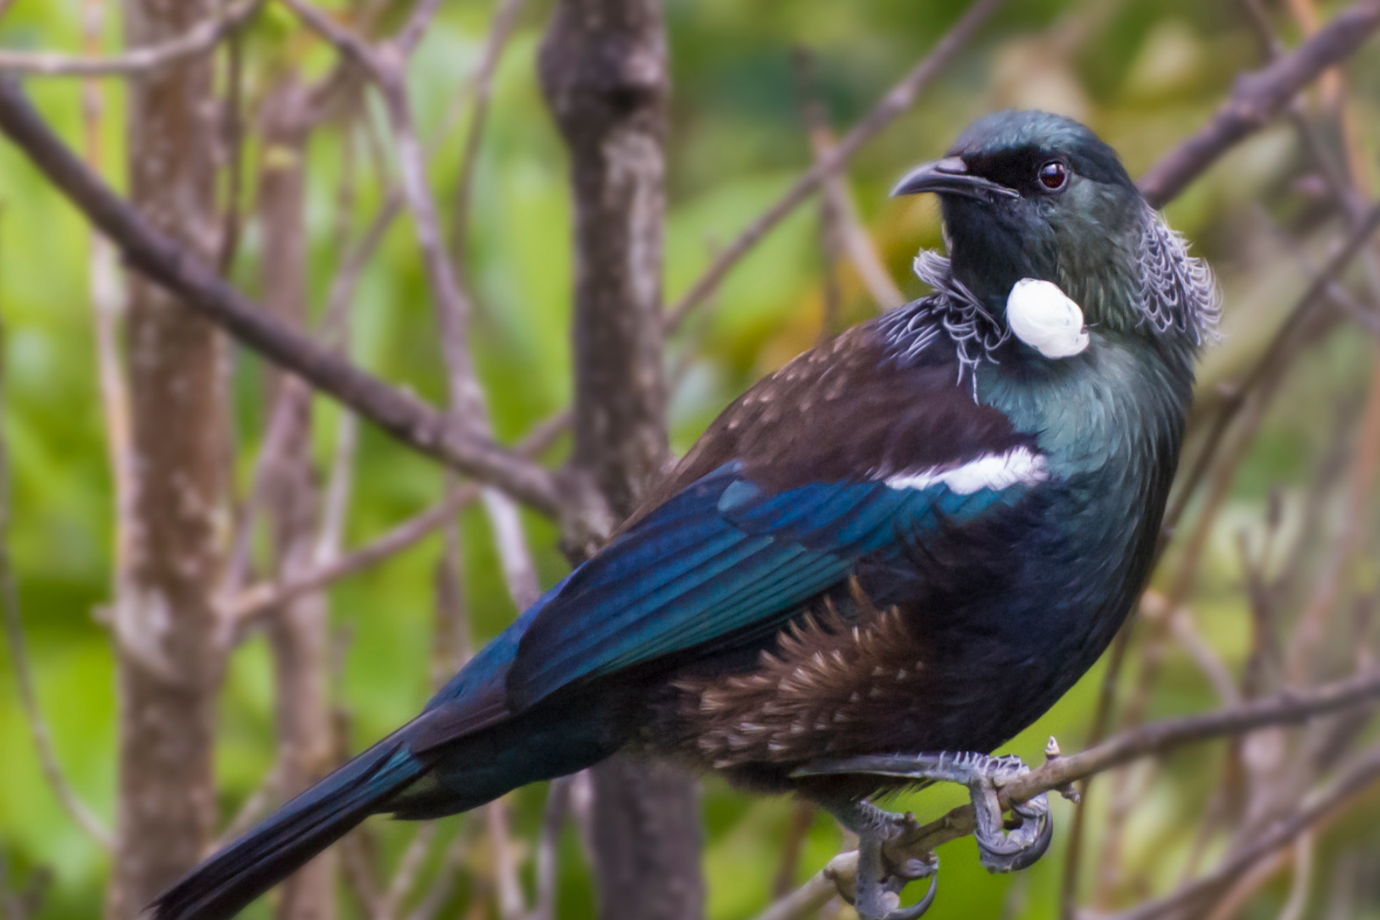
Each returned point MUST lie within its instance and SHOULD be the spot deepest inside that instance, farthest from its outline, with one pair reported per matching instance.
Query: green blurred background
(1143, 73)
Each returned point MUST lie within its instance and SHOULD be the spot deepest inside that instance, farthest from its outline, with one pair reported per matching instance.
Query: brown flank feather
(827, 674)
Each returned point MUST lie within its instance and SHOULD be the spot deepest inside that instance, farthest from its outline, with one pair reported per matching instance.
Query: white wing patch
(990, 471)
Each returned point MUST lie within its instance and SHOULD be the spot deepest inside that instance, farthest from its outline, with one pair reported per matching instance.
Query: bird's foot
(877, 889)
(1000, 849)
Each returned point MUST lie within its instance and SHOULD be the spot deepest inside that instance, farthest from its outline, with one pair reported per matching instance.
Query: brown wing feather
(841, 410)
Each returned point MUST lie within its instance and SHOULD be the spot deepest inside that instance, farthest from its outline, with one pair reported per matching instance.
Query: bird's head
(1028, 194)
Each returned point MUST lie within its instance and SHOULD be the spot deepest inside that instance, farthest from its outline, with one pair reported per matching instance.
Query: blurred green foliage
(1144, 73)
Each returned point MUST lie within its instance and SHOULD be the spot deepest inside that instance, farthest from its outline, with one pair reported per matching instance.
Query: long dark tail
(224, 884)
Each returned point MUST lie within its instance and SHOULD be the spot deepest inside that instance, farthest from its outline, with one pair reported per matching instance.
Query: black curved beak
(949, 176)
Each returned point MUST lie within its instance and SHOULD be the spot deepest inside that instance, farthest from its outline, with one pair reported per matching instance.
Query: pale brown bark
(169, 657)
(604, 71)
(298, 629)
(605, 75)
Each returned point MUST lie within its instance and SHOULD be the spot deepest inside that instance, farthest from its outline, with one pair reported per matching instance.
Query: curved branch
(1257, 98)
(1058, 773)
(169, 264)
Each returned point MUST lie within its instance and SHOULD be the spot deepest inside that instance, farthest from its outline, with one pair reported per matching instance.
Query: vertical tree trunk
(298, 631)
(169, 659)
(604, 72)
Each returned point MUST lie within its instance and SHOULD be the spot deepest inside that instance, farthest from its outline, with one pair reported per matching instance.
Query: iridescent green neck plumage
(1092, 234)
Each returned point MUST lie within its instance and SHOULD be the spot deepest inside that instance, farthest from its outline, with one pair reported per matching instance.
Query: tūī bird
(880, 563)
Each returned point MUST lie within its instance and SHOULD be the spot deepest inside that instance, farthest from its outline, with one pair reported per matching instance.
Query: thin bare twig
(107, 306)
(1257, 99)
(842, 230)
(1239, 893)
(802, 817)
(414, 30)
(500, 30)
(450, 649)
(287, 411)
(899, 98)
(358, 868)
(831, 230)
(443, 887)
(339, 488)
(1305, 849)
(453, 306)
(258, 599)
(512, 903)
(253, 808)
(554, 814)
(232, 218)
(1158, 738)
(1204, 656)
(1355, 781)
(1101, 725)
(387, 64)
(200, 39)
(1361, 484)
(479, 86)
(346, 41)
(19, 659)
(822, 887)
(1285, 340)
(409, 868)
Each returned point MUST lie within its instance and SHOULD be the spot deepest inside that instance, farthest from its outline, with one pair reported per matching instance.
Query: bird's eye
(1054, 175)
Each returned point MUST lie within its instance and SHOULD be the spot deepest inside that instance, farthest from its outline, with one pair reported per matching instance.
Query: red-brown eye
(1054, 175)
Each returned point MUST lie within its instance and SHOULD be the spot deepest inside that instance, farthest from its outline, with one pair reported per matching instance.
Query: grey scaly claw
(878, 885)
(999, 850)
(1020, 847)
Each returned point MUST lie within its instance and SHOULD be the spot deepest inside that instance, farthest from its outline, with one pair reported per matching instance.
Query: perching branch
(1059, 772)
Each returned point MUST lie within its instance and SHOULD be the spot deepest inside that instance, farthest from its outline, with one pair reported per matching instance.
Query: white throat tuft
(1045, 318)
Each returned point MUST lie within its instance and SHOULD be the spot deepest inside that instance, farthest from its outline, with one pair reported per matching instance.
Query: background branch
(200, 39)
(19, 658)
(169, 263)
(897, 100)
(1258, 98)
(1267, 588)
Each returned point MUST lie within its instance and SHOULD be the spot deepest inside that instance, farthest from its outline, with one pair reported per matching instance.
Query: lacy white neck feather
(1177, 291)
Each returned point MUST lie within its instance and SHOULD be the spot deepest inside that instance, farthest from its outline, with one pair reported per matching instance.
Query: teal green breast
(1110, 409)
(1111, 422)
